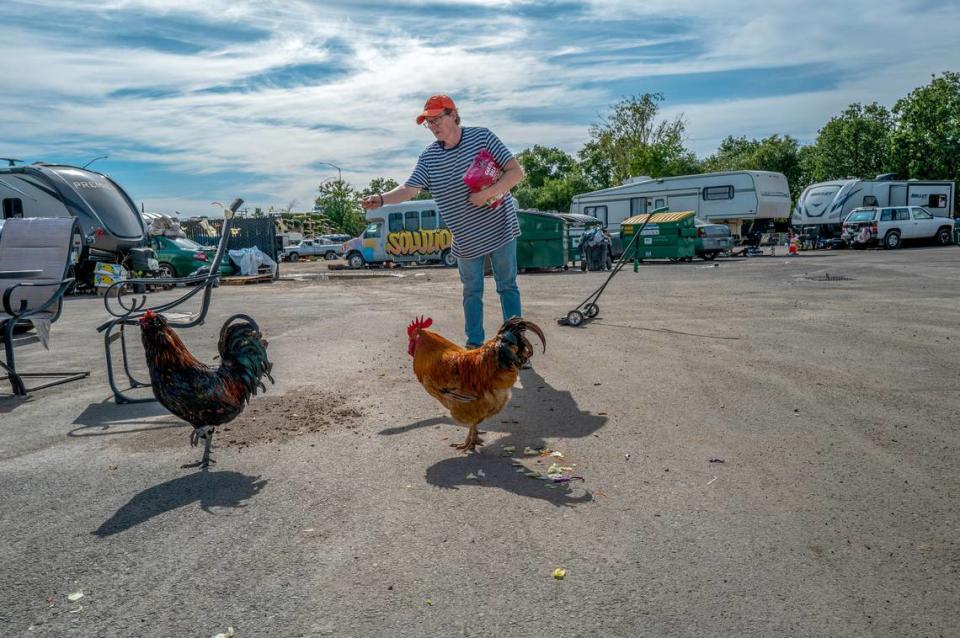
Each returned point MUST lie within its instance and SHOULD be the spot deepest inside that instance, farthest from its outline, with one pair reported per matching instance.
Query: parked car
(890, 226)
(179, 256)
(712, 239)
(314, 247)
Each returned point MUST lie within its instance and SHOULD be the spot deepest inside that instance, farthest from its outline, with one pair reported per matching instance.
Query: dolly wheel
(574, 318)
(591, 310)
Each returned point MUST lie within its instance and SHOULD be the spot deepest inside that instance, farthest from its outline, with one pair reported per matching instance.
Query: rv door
(898, 195)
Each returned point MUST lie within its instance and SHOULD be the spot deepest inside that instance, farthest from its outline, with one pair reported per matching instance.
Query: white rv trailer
(827, 204)
(729, 197)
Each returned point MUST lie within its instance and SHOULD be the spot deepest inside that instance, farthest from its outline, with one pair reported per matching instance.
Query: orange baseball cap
(435, 106)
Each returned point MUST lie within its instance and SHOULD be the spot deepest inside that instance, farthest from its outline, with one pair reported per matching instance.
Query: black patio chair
(129, 310)
(34, 269)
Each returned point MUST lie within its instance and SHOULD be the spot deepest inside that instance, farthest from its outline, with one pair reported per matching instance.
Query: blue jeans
(504, 260)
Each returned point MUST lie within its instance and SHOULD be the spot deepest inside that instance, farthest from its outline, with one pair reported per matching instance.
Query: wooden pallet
(242, 280)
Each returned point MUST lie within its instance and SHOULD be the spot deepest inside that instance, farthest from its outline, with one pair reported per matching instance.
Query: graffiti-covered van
(411, 232)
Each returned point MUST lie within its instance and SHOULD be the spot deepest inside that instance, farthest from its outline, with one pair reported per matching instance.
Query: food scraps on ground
(559, 573)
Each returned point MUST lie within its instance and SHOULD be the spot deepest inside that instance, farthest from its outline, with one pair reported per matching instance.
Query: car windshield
(861, 216)
(186, 244)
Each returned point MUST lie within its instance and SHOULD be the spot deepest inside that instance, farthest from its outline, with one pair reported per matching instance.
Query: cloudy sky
(197, 100)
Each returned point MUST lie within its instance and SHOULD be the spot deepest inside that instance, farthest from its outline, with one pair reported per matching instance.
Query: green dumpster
(666, 236)
(542, 241)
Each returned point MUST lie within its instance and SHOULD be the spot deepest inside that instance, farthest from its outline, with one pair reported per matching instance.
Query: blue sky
(196, 101)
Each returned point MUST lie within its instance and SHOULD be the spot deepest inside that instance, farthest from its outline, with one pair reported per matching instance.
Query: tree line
(919, 138)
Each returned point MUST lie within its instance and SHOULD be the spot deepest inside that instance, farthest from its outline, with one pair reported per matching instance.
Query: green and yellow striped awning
(657, 218)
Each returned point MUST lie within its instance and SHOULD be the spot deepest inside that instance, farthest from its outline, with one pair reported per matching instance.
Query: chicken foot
(205, 433)
(473, 440)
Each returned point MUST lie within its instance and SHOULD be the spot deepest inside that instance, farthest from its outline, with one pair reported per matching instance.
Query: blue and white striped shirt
(477, 230)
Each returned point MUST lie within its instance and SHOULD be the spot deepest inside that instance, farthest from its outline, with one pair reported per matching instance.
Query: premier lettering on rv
(86, 184)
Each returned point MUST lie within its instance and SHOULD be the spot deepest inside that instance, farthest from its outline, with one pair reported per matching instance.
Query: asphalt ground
(828, 385)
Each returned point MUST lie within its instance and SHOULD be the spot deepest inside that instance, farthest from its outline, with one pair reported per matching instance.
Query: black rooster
(198, 394)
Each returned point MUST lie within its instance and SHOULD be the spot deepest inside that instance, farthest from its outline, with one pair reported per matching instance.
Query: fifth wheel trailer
(732, 198)
(825, 205)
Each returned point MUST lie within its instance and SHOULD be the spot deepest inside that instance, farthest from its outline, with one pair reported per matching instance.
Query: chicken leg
(473, 440)
(205, 433)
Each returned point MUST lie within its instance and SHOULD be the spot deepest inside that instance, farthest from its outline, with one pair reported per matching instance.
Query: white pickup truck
(890, 225)
(328, 247)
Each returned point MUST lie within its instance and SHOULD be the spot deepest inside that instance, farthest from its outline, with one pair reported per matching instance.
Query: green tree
(631, 141)
(341, 205)
(774, 153)
(551, 179)
(855, 143)
(926, 140)
(379, 185)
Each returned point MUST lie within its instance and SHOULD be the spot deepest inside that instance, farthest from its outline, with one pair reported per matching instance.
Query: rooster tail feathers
(513, 347)
(243, 350)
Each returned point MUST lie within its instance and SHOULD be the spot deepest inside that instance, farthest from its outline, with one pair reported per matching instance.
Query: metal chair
(34, 269)
(129, 310)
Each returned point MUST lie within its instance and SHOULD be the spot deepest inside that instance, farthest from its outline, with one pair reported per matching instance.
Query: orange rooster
(473, 384)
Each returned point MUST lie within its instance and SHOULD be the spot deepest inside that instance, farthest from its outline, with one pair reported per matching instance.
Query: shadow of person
(536, 411)
(210, 489)
(107, 418)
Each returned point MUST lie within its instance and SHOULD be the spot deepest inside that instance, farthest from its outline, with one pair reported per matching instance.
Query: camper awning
(657, 218)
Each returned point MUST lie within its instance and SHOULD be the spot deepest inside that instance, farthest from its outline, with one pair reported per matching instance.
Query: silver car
(712, 239)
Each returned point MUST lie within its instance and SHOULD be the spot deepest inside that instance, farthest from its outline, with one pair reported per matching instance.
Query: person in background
(479, 231)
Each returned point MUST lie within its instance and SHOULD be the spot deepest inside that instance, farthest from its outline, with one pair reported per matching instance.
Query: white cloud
(361, 117)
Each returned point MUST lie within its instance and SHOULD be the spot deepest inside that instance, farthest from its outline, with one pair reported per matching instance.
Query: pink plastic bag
(483, 173)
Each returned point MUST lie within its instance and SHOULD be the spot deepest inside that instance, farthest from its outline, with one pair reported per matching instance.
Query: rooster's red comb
(149, 314)
(418, 324)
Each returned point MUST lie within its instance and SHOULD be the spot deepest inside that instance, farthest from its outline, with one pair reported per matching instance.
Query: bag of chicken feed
(483, 173)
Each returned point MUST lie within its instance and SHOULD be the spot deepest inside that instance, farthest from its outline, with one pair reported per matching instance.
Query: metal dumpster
(542, 242)
(666, 236)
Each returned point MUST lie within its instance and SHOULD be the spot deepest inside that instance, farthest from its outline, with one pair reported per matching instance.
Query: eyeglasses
(434, 121)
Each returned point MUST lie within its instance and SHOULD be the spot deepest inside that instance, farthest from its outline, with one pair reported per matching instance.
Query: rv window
(637, 205)
(600, 212)
(659, 203)
(12, 207)
(870, 200)
(428, 220)
(937, 201)
(717, 192)
(395, 222)
(412, 221)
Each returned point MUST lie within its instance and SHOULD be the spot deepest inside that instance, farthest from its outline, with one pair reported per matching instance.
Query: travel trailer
(411, 232)
(730, 198)
(108, 218)
(825, 205)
